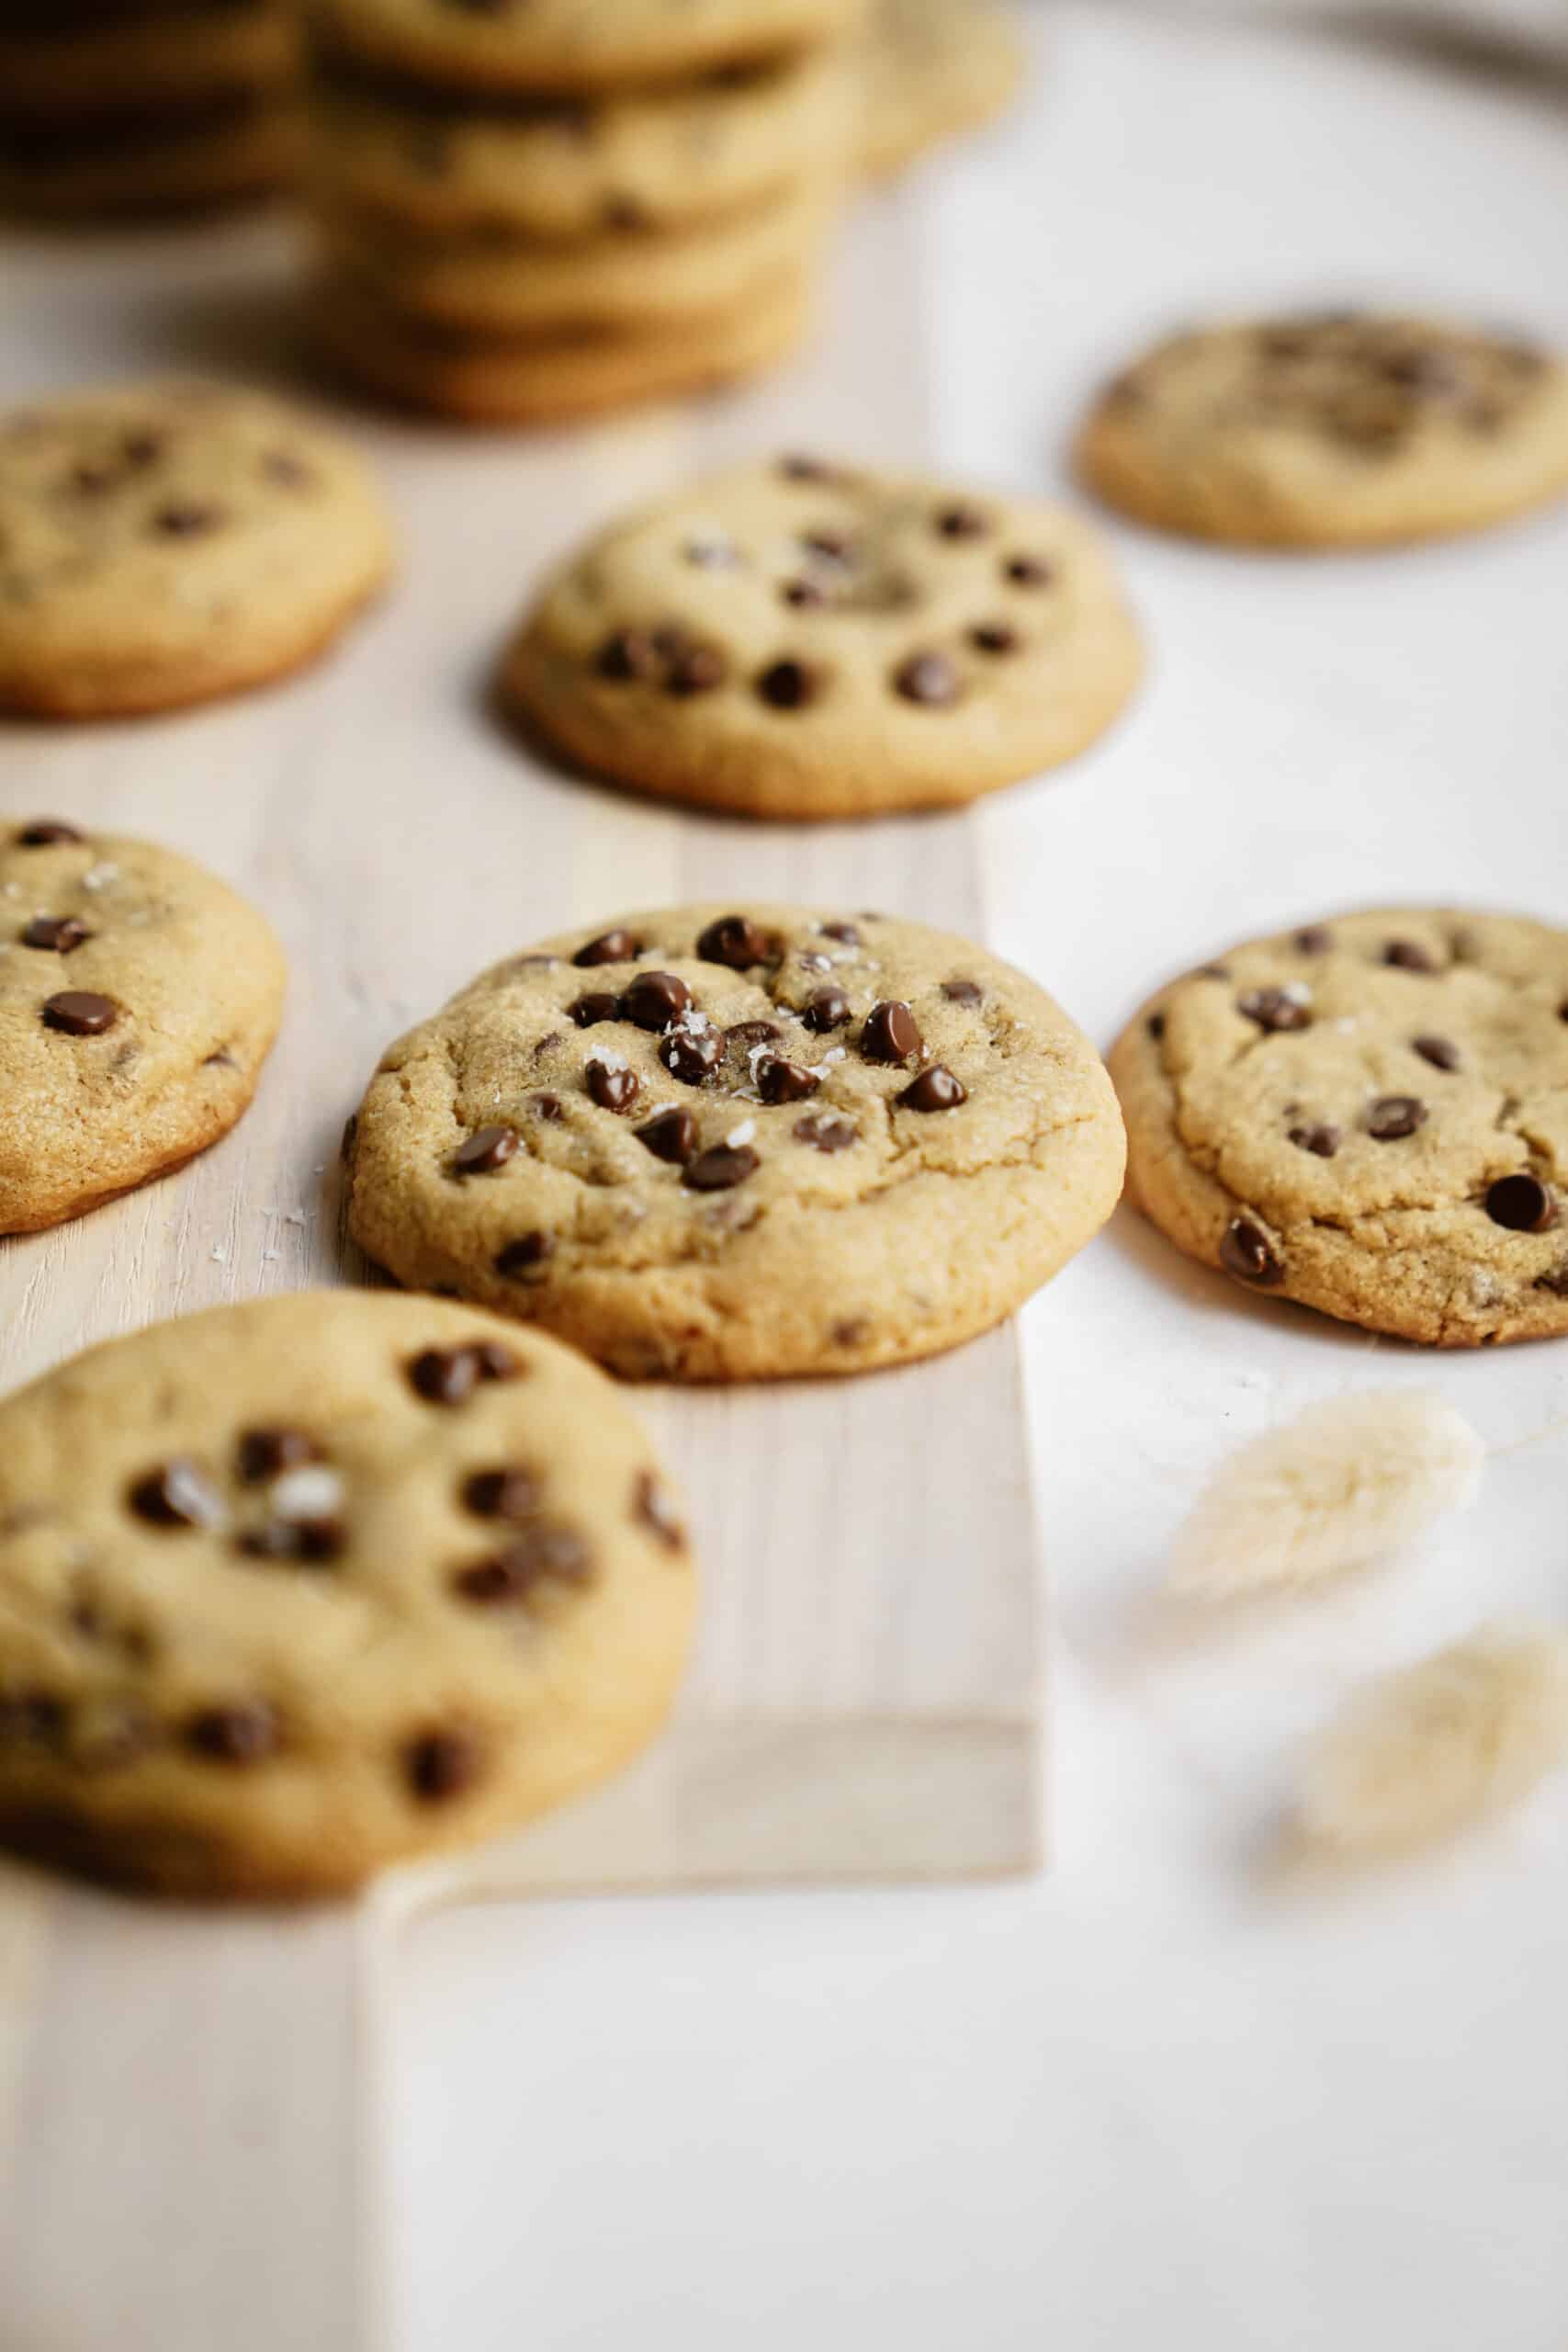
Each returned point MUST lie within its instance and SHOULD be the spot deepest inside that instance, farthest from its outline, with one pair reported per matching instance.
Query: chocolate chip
(597, 1006)
(547, 1106)
(1409, 956)
(891, 1033)
(824, 1132)
(485, 1151)
(1314, 939)
(782, 1081)
(802, 593)
(653, 1507)
(80, 1013)
(994, 636)
(265, 1454)
(58, 934)
(670, 1136)
(44, 831)
(629, 653)
(442, 1764)
(1027, 572)
(721, 1168)
(734, 940)
(833, 546)
(798, 468)
(308, 1542)
(824, 1009)
(615, 946)
(1520, 1203)
(613, 1089)
(510, 1493)
(1441, 1052)
(1274, 1008)
(789, 686)
(1154, 1024)
(844, 933)
(179, 1493)
(1245, 1251)
(935, 1089)
(697, 671)
(690, 1055)
(449, 1375)
(655, 1001)
(929, 679)
(510, 1576)
(186, 518)
(1324, 1140)
(520, 1256)
(1392, 1116)
(242, 1733)
(746, 1034)
(963, 522)
(961, 992)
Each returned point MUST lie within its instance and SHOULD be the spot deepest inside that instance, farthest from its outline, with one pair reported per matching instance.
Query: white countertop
(1164, 2095)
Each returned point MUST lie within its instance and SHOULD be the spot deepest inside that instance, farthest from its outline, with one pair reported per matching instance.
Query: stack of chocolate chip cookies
(131, 105)
(532, 211)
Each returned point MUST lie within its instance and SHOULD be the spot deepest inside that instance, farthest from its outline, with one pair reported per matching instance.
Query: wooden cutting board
(188, 2125)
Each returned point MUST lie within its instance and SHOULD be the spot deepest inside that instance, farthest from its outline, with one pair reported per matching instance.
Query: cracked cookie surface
(1331, 429)
(294, 1589)
(162, 543)
(722, 1143)
(805, 639)
(139, 997)
(1369, 1114)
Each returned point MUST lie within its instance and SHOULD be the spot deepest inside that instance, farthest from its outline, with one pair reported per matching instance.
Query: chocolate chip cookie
(295, 1590)
(59, 70)
(139, 997)
(1369, 1114)
(164, 543)
(1331, 429)
(930, 68)
(726, 1143)
(808, 638)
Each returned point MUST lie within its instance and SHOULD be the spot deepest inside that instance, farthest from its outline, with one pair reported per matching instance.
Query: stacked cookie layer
(111, 106)
(528, 212)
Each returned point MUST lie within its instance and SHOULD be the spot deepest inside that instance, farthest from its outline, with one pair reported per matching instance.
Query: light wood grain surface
(188, 2139)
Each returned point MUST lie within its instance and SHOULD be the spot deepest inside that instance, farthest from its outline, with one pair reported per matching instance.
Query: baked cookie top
(292, 1590)
(723, 1142)
(1369, 1114)
(804, 639)
(560, 45)
(654, 159)
(164, 542)
(1331, 428)
(139, 996)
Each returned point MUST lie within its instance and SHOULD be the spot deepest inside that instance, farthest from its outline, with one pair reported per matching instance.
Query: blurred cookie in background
(930, 69)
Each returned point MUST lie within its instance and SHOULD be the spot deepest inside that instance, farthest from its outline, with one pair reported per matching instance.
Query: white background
(1169, 2095)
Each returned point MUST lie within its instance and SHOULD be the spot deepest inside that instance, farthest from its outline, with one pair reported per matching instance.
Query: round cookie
(139, 997)
(156, 61)
(715, 1144)
(557, 46)
(805, 639)
(664, 158)
(295, 1590)
(551, 378)
(1331, 429)
(511, 288)
(931, 68)
(1369, 1114)
(162, 543)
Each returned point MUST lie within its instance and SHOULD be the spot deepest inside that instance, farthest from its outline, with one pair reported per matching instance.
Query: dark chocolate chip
(265, 1454)
(690, 1055)
(245, 1732)
(442, 1764)
(449, 1375)
(509, 1493)
(1323, 1140)
(1313, 939)
(1245, 1251)
(1521, 1202)
(179, 1493)
(186, 518)
(613, 1089)
(653, 1507)
(783, 1081)
(993, 637)
(891, 1033)
(696, 672)
(833, 546)
(629, 653)
(1027, 572)
(80, 1013)
(961, 992)
(1392, 1116)
(670, 1136)
(1273, 1009)
(510, 1576)
(722, 1166)
(485, 1151)
(44, 831)
(734, 940)
(935, 1089)
(597, 1006)
(1409, 956)
(798, 469)
(58, 934)
(306, 1543)
(824, 1009)
(1441, 1052)
(844, 933)
(746, 1034)
(615, 946)
(519, 1257)
(655, 1001)
(824, 1132)
(802, 593)
(1154, 1024)
(789, 684)
(963, 522)
(929, 679)
(547, 1106)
